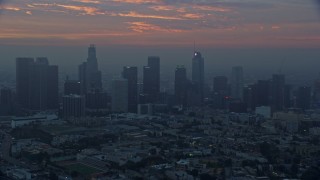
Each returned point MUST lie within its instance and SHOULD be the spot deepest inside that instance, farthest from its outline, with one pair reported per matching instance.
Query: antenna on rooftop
(194, 46)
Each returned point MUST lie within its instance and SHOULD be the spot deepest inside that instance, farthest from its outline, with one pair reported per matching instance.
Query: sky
(214, 23)
(227, 32)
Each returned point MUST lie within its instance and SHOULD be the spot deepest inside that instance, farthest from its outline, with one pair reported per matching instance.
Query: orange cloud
(192, 16)
(88, 1)
(168, 8)
(86, 10)
(11, 8)
(211, 8)
(139, 1)
(137, 15)
(29, 12)
(145, 27)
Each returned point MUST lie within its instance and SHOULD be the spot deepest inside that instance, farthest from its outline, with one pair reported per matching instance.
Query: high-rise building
(180, 85)
(119, 96)
(263, 93)
(53, 87)
(151, 79)
(6, 96)
(96, 100)
(131, 74)
(249, 96)
(198, 76)
(72, 87)
(74, 106)
(37, 84)
(278, 92)
(304, 97)
(237, 82)
(288, 96)
(220, 85)
(23, 79)
(6, 101)
(220, 94)
(89, 75)
(82, 77)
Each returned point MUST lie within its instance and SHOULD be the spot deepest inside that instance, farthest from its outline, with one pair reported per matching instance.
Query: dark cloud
(318, 3)
(1, 2)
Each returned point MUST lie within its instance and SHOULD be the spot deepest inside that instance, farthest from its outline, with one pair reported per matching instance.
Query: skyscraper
(131, 74)
(237, 82)
(220, 93)
(72, 87)
(198, 76)
(220, 85)
(304, 97)
(37, 84)
(73, 106)
(278, 92)
(89, 75)
(263, 92)
(96, 100)
(151, 79)
(23, 66)
(119, 95)
(53, 87)
(82, 77)
(6, 101)
(180, 85)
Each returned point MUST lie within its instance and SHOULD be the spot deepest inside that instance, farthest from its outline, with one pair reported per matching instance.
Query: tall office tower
(278, 92)
(263, 92)
(304, 97)
(151, 79)
(72, 87)
(119, 95)
(53, 87)
(6, 101)
(237, 82)
(288, 96)
(96, 100)
(6, 96)
(198, 76)
(89, 75)
(180, 85)
(220, 85)
(250, 97)
(220, 93)
(22, 81)
(73, 106)
(37, 84)
(131, 74)
(82, 77)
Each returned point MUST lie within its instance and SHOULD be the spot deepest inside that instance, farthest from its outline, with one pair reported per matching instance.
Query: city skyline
(160, 23)
(159, 89)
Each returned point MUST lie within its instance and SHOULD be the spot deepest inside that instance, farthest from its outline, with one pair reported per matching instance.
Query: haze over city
(126, 32)
(159, 89)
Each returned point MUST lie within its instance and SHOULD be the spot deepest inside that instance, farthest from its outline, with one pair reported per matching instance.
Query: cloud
(146, 27)
(86, 10)
(134, 14)
(88, 1)
(139, 1)
(83, 10)
(1, 5)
